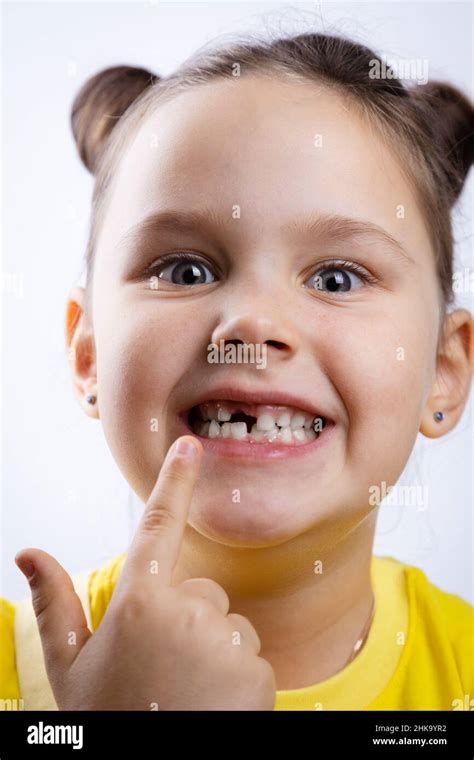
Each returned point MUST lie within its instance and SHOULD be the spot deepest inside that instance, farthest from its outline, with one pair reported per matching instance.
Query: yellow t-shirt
(419, 654)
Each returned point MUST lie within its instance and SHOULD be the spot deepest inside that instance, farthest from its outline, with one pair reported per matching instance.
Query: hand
(158, 646)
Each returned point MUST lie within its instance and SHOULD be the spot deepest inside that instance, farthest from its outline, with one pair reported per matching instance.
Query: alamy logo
(41, 734)
(12, 704)
(242, 353)
(398, 68)
(463, 704)
(399, 496)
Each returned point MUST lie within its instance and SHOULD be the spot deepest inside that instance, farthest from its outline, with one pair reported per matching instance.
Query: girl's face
(256, 162)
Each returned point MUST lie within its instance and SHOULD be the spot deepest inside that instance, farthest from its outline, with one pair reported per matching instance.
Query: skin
(251, 143)
(160, 645)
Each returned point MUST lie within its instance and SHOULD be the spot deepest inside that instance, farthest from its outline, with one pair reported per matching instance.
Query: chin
(252, 523)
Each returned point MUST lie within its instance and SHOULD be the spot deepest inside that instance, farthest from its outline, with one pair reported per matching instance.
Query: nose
(257, 328)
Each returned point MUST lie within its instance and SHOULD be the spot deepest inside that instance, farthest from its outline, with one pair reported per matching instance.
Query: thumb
(59, 613)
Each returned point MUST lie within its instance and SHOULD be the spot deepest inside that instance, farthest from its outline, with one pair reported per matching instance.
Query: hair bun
(453, 127)
(100, 103)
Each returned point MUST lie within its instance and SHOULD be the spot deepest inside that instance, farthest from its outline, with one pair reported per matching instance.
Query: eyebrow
(173, 220)
(341, 228)
(336, 227)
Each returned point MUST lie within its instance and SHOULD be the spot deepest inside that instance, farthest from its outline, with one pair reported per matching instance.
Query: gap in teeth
(276, 424)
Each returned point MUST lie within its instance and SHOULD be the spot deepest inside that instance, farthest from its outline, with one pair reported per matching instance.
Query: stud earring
(439, 416)
(91, 399)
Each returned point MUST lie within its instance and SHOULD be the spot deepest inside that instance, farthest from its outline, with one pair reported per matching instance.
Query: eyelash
(169, 258)
(349, 266)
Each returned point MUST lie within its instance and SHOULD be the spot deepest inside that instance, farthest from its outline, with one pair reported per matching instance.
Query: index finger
(157, 542)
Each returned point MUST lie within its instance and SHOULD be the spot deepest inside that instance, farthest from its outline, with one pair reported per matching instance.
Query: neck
(308, 598)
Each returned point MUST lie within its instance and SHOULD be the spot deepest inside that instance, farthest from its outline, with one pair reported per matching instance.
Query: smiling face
(256, 161)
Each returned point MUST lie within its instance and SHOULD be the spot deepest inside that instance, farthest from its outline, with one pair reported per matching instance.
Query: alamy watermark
(12, 704)
(242, 353)
(399, 496)
(463, 281)
(48, 734)
(415, 69)
(12, 282)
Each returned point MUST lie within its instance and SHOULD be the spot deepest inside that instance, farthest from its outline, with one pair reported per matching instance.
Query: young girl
(273, 194)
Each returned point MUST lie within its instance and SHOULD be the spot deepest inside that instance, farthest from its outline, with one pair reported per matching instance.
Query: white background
(61, 489)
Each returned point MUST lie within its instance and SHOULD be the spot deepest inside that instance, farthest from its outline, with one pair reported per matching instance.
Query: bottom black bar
(85, 734)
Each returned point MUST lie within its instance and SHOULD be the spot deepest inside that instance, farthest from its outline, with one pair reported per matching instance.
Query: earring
(439, 416)
(91, 399)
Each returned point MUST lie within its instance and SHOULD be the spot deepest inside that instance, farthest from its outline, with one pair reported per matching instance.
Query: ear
(81, 352)
(454, 369)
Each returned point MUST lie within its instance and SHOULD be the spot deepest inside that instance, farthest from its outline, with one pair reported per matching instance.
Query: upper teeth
(269, 418)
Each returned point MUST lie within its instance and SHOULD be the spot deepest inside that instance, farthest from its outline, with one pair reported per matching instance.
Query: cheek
(142, 348)
(142, 352)
(380, 374)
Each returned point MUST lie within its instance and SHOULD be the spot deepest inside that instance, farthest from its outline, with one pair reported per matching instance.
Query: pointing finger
(156, 545)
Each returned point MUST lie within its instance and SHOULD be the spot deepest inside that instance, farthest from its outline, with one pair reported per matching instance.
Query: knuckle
(258, 673)
(243, 624)
(212, 586)
(40, 600)
(265, 678)
(204, 587)
(176, 475)
(196, 616)
(157, 519)
(128, 608)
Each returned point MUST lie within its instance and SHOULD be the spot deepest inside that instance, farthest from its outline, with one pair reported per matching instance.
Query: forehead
(274, 147)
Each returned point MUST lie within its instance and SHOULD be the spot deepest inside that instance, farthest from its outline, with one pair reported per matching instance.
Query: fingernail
(27, 567)
(184, 448)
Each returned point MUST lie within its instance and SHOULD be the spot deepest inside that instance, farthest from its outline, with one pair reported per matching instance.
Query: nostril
(275, 344)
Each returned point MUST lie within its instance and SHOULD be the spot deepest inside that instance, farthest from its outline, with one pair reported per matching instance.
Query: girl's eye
(338, 279)
(184, 270)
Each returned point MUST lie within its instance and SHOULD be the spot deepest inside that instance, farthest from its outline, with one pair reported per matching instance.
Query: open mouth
(255, 423)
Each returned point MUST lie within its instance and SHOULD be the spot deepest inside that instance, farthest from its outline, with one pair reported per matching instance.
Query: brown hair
(429, 126)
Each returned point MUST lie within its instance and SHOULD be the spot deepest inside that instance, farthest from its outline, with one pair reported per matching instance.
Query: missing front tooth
(241, 417)
(195, 419)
